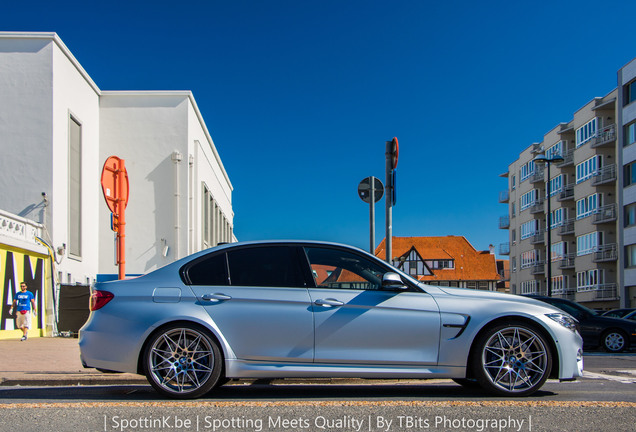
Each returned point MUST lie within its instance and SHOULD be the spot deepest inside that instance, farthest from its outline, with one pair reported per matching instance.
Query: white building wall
(74, 94)
(26, 125)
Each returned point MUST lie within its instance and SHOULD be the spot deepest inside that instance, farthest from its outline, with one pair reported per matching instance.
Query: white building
(57, 128)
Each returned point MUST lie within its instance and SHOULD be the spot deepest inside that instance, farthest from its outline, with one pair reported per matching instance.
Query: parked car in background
(618, 313)
(612, 334)
(300, 309)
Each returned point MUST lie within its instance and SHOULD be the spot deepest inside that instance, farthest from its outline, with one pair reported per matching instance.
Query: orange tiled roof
(470, 264)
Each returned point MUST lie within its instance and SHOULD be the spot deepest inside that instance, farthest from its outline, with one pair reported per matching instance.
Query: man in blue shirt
(22, 303)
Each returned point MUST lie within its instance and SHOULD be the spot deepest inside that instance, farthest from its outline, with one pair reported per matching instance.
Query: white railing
(19, 228)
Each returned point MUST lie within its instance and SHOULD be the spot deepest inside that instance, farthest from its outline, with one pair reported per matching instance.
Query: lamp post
(547, 161)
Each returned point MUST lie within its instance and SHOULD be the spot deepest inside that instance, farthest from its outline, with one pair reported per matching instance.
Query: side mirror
(393, 281)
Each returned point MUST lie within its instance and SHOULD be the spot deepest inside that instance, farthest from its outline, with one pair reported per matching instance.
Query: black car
(618, 313)
(612, 334)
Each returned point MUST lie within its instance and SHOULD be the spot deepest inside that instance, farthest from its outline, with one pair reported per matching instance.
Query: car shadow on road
(256, 392)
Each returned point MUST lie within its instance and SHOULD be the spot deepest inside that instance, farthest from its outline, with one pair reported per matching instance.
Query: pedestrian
(23, 303)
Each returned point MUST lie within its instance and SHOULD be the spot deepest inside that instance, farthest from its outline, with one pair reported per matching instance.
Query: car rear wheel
(614, 341)
(182, 361)
(512, 359)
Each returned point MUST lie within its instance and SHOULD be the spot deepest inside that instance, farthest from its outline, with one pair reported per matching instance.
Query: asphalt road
(605, 399)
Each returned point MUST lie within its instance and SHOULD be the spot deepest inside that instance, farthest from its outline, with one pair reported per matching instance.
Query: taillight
(99, 299)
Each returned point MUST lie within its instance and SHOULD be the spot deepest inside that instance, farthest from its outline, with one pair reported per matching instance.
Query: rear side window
(271, 266)
(210, 270)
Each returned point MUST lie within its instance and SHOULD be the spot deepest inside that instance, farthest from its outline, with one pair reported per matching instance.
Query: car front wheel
(614, 341)
(182, 361)
(512, 359)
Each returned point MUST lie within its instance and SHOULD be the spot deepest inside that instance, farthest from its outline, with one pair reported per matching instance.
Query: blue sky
(300, 96)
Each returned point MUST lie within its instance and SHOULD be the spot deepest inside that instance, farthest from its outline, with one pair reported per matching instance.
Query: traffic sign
(115, 190)
(364, 189)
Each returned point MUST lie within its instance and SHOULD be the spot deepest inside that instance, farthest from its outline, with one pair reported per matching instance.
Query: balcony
(564, 293)
(504, 248)
(504, 222)
(601, 291)
(538, 238)
(606, 253)
(537, 176)
(568, 158)
(504, 196)
(537, 207)
(567, 193)
(567, 228)
(605, 136)
(607, 174)
(19, 228)
(567, 262)
(538, 268)
(604, 214)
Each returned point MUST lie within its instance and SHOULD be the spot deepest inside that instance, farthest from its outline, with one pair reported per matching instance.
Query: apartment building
(562, 216)
(626, 108)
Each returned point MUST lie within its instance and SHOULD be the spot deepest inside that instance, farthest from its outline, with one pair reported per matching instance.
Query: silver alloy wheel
(181, 361)
(515, 360)
(614, 341)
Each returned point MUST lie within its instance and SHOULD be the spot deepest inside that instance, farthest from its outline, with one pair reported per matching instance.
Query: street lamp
(547, 161)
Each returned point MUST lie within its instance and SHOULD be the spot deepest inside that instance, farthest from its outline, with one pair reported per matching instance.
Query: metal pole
(372, 217)
(121, 231)
(548, 262)
(389, 203)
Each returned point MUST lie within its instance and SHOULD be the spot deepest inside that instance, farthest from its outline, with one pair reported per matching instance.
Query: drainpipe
(176, 158)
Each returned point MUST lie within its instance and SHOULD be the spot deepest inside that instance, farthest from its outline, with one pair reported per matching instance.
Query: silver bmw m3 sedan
(299, 309)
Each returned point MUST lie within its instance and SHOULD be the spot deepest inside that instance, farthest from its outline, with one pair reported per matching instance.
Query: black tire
(182, 361)
(614, 341)
(512, 359)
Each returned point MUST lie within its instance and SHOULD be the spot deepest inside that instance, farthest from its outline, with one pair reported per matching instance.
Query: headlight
(565, 320)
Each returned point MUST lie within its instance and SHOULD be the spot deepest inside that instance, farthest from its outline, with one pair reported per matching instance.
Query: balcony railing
(538, 238)
(564, 293)
(504, 196)
(566, 193)
(504, 248)
(537, 207)
(604, 214)
(538, 268)
(567, 228)
(606, 252)
(607, 135)
(607, 174)
(567, 262)
(19, 228)
(504, 222)
(568, 158)
(601, 291)
(537, 176)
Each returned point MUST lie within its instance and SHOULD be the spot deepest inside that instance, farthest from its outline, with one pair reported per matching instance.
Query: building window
(530, 287)
(441, 264)
(556, 184)
(513, 182)
(586, 132)
(529, 229)
(528, 199)
(630, 92)
(630, 134)
(557, 217)
(526, 171)
(588, 205)
(588, 168)
(513, 264)
(630, 215)
(558, 251)
(629, 172)
(589, 280)
(559, 284)
(555, 150)
(588, 243)
(630, 256)
(75, 188)
(529, 258)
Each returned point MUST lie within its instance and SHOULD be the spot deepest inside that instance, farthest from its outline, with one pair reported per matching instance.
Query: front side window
(339, 269)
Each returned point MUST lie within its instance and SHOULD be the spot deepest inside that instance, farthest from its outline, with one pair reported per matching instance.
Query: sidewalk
(48, 361)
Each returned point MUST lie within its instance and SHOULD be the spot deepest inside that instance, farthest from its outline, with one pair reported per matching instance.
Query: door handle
(328, 302)
(216, 297)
